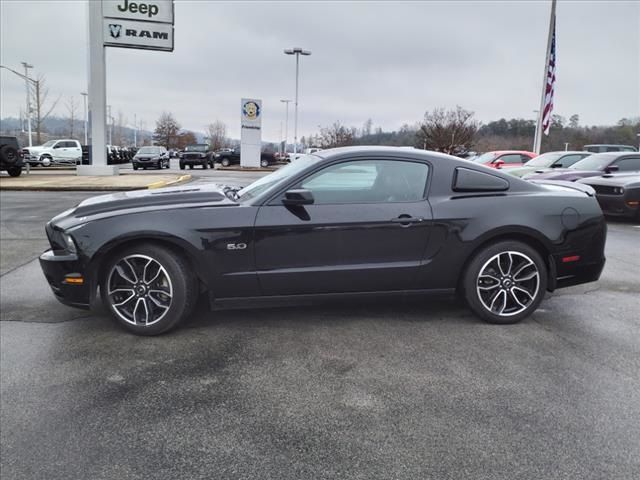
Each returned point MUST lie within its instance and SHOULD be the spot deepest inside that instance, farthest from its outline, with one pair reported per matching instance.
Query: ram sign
(138, 34)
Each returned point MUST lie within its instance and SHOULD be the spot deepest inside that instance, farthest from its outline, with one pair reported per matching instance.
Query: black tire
(205, 165)
(8, 155)
(528, 293)
(183, 285)
(135, 167)
(264, 163)
(225, 162)
(182, 166)
(14, 171)
(191, 166)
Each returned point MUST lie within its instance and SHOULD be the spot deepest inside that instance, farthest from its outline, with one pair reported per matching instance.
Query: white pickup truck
(64, 151)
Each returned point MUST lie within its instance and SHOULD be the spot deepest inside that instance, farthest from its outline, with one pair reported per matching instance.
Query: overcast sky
(389, 61)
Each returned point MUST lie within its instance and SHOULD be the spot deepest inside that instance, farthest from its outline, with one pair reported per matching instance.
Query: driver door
(366, 231)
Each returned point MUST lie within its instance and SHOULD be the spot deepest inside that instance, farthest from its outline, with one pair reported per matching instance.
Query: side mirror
(612, 168)
(298, 196)
(498, 163)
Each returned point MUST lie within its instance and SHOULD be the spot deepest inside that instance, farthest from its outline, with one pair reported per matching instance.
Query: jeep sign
(147, 10)
(137, 34)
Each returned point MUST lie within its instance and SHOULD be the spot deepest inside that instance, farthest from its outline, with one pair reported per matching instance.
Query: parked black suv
(230, 156)
(10, 156)
(197, 154)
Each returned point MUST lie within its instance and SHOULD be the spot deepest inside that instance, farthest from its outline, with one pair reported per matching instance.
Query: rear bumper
(56, 269)
(581, 258)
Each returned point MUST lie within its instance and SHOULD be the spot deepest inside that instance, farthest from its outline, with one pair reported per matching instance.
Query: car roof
(616, 154)
(500, 152)
(382, 150)
(569, 152)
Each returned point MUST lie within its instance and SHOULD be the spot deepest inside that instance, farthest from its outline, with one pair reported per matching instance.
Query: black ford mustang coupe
(350, 221)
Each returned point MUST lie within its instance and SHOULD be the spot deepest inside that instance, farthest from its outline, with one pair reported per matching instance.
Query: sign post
(144, 24)
(251, 132)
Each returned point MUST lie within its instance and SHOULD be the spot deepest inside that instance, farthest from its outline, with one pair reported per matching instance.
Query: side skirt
(288, 300)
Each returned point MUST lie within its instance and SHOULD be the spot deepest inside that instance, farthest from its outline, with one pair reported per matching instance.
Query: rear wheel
(8, 155)
(14, 171)
(225, 162)
(264, 163)
(149, 289)
(505, 282)
(45, 161)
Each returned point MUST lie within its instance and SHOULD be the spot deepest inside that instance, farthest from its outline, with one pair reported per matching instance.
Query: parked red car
(505, 158)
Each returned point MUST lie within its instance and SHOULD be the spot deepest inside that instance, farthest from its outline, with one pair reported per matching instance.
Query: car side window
(511, 158)
(569, 160)
(629, 164)
(368, 181)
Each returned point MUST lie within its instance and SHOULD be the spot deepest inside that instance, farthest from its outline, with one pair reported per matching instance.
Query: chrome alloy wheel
(139, 290)
(508, 283)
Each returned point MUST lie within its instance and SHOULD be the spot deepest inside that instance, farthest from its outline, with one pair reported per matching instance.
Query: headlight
(69, 243)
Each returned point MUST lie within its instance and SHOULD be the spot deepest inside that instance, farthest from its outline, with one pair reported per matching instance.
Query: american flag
(551, 80)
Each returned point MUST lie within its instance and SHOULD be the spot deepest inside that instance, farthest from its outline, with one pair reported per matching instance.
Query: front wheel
(205, 165)
(505, 282)
(182, 166)
(45, 161)
(225, 162)
(149, 289)
(264, 163)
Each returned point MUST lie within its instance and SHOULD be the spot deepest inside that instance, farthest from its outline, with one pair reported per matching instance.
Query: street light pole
(286, 123)
(27, 80)
(297, 51)
(26, 83)
(84, 101)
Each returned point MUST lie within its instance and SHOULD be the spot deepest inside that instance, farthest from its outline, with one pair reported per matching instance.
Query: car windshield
(484, 158)
(276, 178)
(544, 160)
(195, 148)
(50, 143)
(593, 162)
(147, 150)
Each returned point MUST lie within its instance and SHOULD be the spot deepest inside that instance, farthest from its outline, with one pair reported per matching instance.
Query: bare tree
(42, 110)
(336, 135)
(448, 131)
(367, 128)
(185, 138)
(217, 135)
(118, 130)
(72, 109)
(167, 129)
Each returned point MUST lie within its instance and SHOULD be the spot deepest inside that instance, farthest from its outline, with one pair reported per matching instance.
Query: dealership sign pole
(250, 132)
(146, 25)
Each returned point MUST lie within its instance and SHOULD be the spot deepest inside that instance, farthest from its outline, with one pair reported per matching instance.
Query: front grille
(607, 190)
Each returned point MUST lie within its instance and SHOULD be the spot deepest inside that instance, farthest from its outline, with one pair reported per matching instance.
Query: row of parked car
(613, 171)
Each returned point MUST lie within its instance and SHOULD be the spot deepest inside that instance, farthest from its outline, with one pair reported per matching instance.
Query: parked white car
(64, 151)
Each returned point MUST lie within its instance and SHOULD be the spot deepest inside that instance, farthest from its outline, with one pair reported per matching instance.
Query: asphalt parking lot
(404, 388)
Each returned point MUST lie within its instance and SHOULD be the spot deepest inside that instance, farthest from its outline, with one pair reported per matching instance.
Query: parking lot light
(297, 51)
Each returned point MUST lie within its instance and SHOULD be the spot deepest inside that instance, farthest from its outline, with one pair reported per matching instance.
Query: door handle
(407, 220)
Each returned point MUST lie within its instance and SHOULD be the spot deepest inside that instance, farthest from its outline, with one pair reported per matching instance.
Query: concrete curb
(161, 184)
(96, 188)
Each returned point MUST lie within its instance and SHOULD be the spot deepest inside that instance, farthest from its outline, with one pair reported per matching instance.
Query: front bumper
(193, 160)
(618, 205)
(145, 163)
(56, 269)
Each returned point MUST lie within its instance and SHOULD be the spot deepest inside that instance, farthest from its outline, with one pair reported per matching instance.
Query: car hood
(522, 171)
(37, 149)
(123, 203)
(628, 180)
(567, 174)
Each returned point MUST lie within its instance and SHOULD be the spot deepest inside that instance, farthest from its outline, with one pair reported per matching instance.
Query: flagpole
(538, 135)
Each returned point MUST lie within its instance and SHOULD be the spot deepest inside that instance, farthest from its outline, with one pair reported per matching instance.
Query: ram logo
(115, 30)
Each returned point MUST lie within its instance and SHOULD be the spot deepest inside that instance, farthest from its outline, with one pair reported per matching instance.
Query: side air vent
(468, 180)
